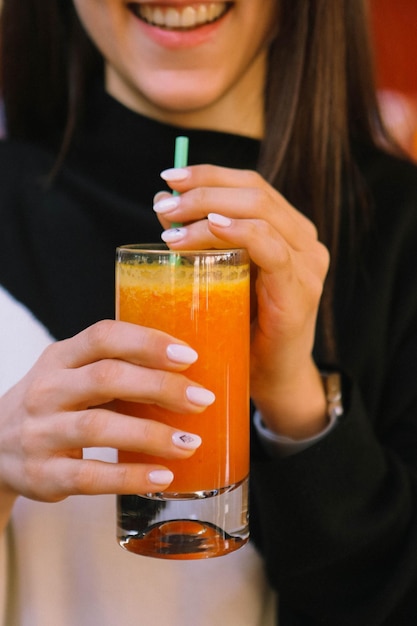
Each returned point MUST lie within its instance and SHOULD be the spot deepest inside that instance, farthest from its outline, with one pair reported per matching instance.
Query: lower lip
(182, 38)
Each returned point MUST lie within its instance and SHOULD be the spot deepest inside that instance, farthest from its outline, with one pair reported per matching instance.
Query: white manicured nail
(200, 396)
(175, 173)
(181, 354)
(219, 220)
(186, 441)
(161, 477)
(166, 205)
(160, 195)
(172, 235)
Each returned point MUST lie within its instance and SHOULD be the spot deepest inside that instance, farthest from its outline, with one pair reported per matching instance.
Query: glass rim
(161, 248)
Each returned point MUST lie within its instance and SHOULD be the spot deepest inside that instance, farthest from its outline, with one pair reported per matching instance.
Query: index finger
(212, 189)
(110, 339)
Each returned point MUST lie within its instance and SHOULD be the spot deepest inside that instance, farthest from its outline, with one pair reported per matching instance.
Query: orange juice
(207, 306)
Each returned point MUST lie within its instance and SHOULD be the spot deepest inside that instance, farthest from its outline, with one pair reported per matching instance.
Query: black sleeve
(337, 523)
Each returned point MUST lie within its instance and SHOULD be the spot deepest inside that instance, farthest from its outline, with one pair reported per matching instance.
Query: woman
(284, 88)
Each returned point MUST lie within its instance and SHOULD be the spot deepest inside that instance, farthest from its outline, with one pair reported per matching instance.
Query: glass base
(185, 526)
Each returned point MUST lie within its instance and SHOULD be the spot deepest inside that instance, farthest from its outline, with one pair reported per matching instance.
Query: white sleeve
(279, 445)
(22, 339)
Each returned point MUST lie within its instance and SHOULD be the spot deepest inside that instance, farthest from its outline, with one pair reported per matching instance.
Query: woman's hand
(64, 404)
(221, 208)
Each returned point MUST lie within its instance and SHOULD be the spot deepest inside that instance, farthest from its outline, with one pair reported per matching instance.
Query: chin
(168, 97)
(183, 101)
(182, 104)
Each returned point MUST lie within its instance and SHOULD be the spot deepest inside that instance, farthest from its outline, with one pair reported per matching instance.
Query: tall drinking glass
(202, 298)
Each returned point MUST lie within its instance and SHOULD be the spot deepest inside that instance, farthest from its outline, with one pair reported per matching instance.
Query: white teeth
(186, 17)
(172, 18)
(212, 12)
(201, 16)
(158, 17)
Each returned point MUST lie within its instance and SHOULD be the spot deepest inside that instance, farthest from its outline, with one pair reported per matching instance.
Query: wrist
(305, 407)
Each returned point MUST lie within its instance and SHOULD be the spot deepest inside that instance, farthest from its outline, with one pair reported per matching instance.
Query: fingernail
(200, 396)
(186, 441)
(175, 173)
(161, 477)
(219, 220)
(159, 195)
(167, 204)
(173, 234)
(181, 354)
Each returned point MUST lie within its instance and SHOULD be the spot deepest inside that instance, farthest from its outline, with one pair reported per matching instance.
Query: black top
(65, 233)
(337, 523)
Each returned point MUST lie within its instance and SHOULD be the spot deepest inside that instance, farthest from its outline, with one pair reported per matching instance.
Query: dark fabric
(336, 523)
(62, 236)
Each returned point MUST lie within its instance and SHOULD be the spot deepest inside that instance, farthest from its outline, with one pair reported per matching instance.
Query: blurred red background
(394, 30)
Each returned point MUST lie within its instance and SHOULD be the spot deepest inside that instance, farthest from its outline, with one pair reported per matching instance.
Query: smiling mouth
(180, 18)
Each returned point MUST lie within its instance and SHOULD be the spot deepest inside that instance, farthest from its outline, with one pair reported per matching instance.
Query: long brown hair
(320, 99)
